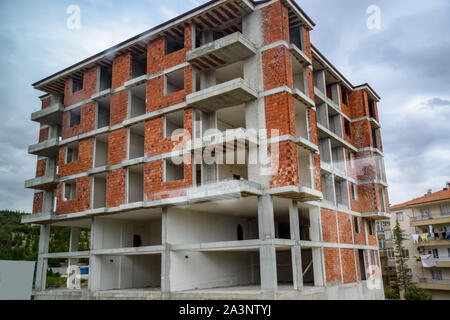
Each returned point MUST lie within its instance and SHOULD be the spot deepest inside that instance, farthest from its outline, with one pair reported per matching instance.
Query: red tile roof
(439, 195)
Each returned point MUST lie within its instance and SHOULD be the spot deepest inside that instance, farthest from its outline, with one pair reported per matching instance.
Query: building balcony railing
(47, 148)
(222, 52)
(430, 220)
(434, 284)
(433, 243)
(440, 263)
(227, 94)
(46, 182)
(51, 115)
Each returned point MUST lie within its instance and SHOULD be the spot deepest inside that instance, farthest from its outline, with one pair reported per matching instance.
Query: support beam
(165, 258)
(74, 243)
(296, 252)
(267, 252)
(42, 263)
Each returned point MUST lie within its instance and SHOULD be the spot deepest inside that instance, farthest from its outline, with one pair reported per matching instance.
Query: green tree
(402, 280)
(415, 293)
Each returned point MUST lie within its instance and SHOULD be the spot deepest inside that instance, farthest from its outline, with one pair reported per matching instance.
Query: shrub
(415, 293)
(391, 294)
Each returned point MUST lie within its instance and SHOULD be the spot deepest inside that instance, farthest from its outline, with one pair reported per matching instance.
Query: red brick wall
(119, 107)
(287, 173)
(158, 61)
(37, 202)
(81, 201)
(275, 21)
(155, 92)
(43, 134)
(121, 70)
(154, 186)
(155, 143)
(348, 265)
(115, 188)
(359, 238)
(332, 265)
(84, 163)
(40, 168)
(89, 88)
(46, 102)
(329, 227)
(345, 228)
(87, 122)
(117, 146)
(277, 68)
(280, 114)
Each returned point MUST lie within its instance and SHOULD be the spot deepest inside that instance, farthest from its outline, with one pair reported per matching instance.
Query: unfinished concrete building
(164, 229)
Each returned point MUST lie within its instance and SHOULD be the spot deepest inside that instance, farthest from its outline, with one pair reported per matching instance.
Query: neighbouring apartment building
(118, 155)
(426, 225)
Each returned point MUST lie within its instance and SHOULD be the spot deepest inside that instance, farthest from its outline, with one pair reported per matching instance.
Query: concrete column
(165, 258)
(41, 272)
(296, 252)
(335, 94)
(267, 252)
(318, 267)
(47, 203)
(73, 243)
(94, 283)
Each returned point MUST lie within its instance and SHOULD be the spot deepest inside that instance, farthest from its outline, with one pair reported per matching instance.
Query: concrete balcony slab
(227, 94)
(298, 193)
(42, 183)
(299, 55)
(222, 190)
(224, 51)
(47, 148)
(51, 115)
(303, 98)
(376, 215)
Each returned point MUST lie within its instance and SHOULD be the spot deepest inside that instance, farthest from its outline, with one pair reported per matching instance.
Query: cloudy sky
(407, 62)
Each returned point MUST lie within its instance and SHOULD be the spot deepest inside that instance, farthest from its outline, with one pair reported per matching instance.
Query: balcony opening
(334, 120)
(172, 171)
(103, 112)
(135, 184)
(375, 138)
(322, 115)
(174, 81)
(101, 151)
(230, 72)
(284, 267)
(348, 131)
(231, 118)
(236, 169)
(305, 224)
(99, 191)
(325, 150)
(308, 267)
(357, 224)
(70, 190)
(74, 117)
(344, 94)
(362, 264)
(338, 155)
(306, 167)
(354, 191)
(138, 65)
(136, 141)
(77, 84)
(105, 78)
(72, 152)
(300, 77)
(371, 108)
(174, 44)
(283, 229)
(138, 101)
(296, 37)
(302, 122)
(206, 36)
(382, 199)
(174, 124)
(327, 187)
(341, 189)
